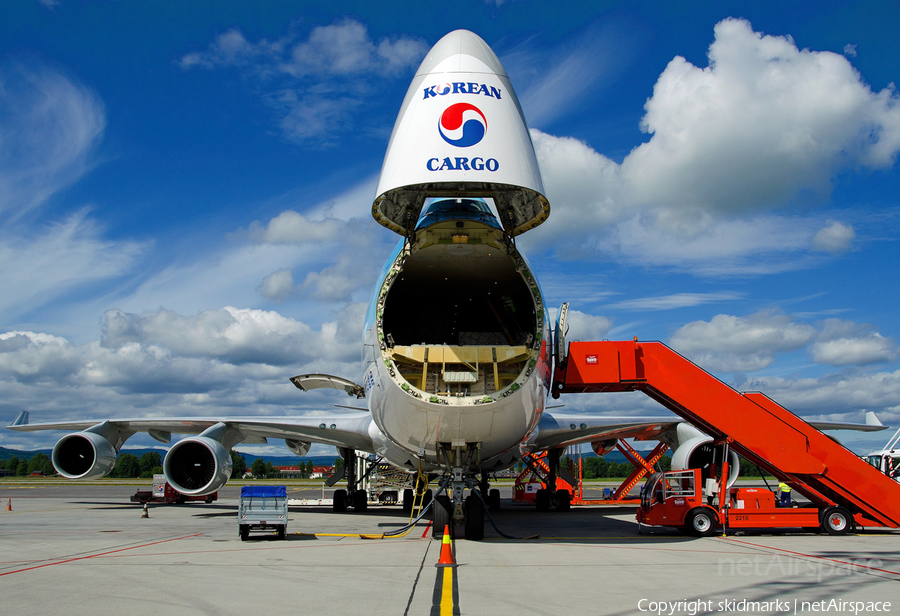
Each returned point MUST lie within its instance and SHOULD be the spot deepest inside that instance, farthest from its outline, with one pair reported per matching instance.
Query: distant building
(289, 472)
(321, 471)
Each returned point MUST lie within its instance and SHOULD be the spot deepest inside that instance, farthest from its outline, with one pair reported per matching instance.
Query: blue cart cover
(264, 491)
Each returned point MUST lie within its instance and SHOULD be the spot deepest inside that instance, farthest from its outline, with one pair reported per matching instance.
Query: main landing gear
(353, 496)
(548, 498)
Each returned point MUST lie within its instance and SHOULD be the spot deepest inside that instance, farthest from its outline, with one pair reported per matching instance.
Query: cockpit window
(457, 209)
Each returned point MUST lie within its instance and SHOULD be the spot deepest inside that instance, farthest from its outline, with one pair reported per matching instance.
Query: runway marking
(446, 593)
(812, 556)
(77, 558)
(427, 529)
(445, 601)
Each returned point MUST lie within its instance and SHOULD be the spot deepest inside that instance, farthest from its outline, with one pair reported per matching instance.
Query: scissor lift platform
(755, 426)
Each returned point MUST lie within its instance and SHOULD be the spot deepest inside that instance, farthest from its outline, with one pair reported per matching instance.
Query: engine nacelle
(298, 448)
(601, 448)
(197, 466)
(696, 450)
(83, 455)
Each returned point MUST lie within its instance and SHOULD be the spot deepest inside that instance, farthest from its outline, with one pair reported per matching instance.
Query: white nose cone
(460, 133)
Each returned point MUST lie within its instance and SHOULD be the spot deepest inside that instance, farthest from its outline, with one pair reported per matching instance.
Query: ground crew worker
(785, 491)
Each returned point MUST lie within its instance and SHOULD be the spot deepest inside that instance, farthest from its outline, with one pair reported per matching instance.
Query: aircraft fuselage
(457, 342)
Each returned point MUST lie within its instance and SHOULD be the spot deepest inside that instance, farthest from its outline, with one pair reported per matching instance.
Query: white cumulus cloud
(764, 125)
(844, 343)
(582, 326)
(278, 286)
(729, 343)
(835, 237)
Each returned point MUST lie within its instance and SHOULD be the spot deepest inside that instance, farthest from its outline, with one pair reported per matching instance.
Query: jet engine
(298, 448)
(83, 455)
(696, 450)
(601, 448)
(197, 465)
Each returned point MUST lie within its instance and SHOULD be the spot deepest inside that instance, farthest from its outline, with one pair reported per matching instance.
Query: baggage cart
(263, 508)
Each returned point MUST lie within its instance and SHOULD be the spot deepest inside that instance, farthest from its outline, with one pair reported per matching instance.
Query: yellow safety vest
(784, 487)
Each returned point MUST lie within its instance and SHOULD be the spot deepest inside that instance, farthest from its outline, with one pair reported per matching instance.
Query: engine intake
(83, 455)
(299, 448)
(698, 451)
(197, 466)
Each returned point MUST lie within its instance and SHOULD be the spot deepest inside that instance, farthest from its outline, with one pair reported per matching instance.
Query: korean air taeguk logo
(462, 125)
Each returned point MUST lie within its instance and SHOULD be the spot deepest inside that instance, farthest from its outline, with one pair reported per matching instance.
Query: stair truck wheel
(837, 521)
(563, 500)
(360, 501)
(474, 518)
(494, 499)
(339, 503)
(441, 516)
(542, 500)
(701, 522)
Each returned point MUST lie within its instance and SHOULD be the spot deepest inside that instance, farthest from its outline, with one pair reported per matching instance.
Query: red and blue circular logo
(462, 125)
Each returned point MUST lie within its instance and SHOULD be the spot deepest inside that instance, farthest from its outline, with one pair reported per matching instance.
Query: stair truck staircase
(758, 428)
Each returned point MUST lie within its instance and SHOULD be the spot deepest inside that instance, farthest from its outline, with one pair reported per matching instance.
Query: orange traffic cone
(9, 504)
(446, 559)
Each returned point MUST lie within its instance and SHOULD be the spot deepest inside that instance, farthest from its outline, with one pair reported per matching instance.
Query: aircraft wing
(557, 430)
(344, 430)
(564, 430)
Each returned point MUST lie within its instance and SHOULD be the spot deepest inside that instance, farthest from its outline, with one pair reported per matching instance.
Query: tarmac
(85, 549)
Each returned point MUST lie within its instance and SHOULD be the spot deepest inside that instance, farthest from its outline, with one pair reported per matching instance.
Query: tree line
(22, 467)
(130, 466)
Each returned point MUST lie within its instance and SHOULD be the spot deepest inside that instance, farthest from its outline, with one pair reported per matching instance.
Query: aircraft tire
(563, 500)
(474, 518)
(339, 502)
(408, 498)
(441, 517)
(360, 501)
(494, 499)
(542, 500)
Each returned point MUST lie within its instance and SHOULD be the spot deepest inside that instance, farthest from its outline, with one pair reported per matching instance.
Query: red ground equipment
(680, 499)
(770, 436)
(162, 492)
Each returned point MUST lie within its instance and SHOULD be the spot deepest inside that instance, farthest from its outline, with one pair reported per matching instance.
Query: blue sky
(185, 192)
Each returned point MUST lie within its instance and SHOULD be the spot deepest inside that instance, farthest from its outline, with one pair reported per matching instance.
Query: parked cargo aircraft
(888, 459)
(458, 347)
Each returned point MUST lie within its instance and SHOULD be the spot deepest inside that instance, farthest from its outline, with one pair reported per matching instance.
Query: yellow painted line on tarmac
(49, 510)
(446, 593)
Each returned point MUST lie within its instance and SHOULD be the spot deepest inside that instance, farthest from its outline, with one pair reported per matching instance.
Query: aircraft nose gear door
(559, 335)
